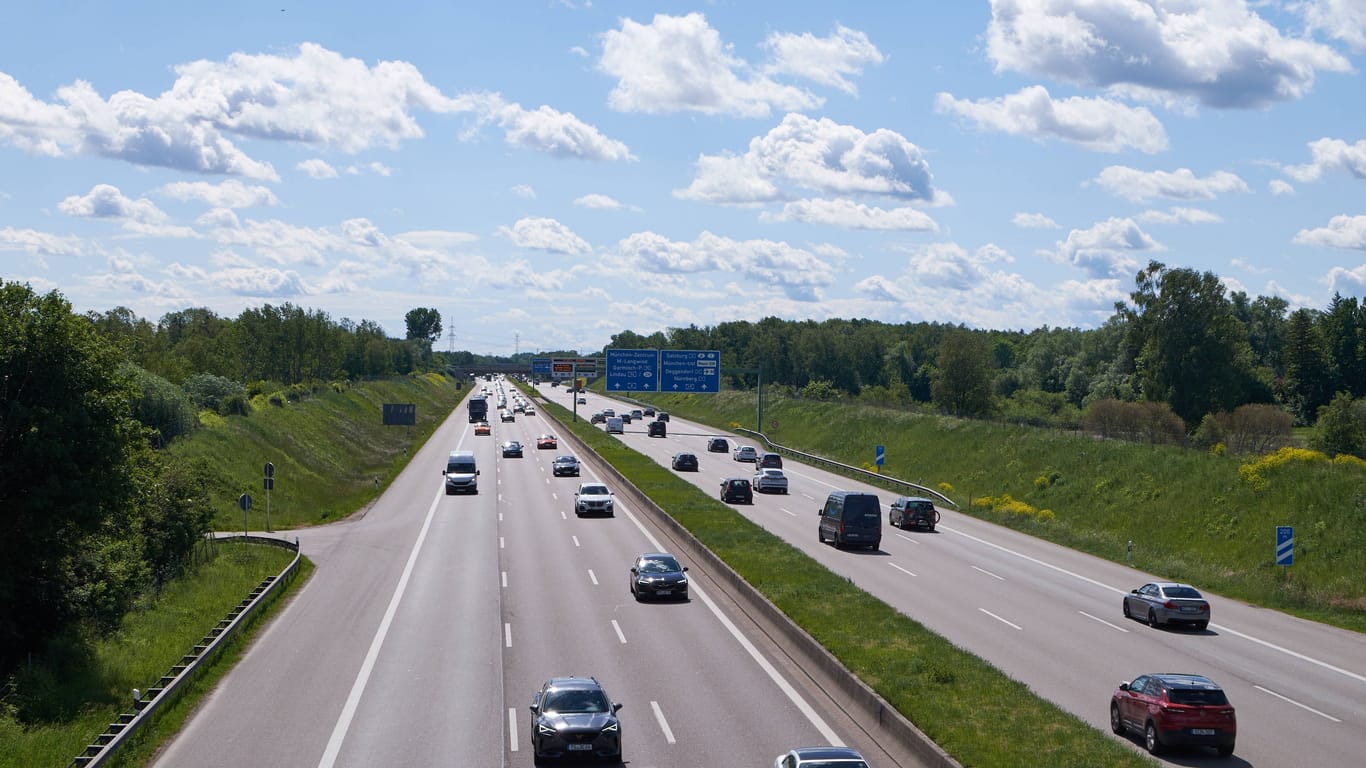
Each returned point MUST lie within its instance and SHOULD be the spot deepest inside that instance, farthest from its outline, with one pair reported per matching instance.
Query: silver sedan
(1166, 602)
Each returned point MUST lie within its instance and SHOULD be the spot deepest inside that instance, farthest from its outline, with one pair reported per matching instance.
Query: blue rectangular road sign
(632, 370)
(1285, 545)
(540, 366)
(880, 455)
(689, 370)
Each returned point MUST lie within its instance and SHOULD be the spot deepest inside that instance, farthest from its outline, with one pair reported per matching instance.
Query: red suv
(1172, 710)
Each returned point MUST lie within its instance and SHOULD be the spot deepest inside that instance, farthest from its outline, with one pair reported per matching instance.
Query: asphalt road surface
(430, 621)
(1050, 617)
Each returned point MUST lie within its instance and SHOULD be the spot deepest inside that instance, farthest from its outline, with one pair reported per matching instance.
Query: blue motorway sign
(1285, 545)
(880, 454)
(632, 370)
(684, 370)
(540, 366)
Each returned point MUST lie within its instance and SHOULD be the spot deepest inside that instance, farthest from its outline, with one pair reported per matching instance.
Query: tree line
(1181, 341)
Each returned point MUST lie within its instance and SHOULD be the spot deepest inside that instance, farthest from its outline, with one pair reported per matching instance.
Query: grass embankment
(1193, 516)
(85, 685)
(980, 716)
(331, 451)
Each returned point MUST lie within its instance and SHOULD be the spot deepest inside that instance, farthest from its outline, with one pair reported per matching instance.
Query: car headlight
(683, 581)
(612, 727)
(544, 729)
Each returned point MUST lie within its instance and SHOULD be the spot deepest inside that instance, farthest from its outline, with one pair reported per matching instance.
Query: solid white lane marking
(512, 729)
(593, 576)
(576, 540)
(348, 712)
(899, 568)
(1305, 707)
(907, 538)
(998, 618)
(989, 573)
(507, 634)
(663, 724)
(1219, 627)
(620, 636)
(790, 512)
(505, 579)
(1102, 621)
(827, 733)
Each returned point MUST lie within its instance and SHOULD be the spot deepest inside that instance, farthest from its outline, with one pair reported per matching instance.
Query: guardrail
(859, 472)
(146, 704)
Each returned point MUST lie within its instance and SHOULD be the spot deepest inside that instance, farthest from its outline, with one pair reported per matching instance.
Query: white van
(462, 474)
(615, 425)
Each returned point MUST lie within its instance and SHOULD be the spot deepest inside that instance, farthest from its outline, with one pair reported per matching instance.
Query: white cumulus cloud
(1341, 232)
(545, 235)
(1093, 123)
(1181, 184)
(851, 215)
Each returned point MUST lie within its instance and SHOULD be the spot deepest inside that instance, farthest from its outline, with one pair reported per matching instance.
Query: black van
(851, 517)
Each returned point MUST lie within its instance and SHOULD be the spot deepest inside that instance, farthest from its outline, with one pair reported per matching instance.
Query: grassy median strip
(979, 715)
(69, 701)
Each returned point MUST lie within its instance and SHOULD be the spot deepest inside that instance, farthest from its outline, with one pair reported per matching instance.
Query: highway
(430, 621)
(1050, 617)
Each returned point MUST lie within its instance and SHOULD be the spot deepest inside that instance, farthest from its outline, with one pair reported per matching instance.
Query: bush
(210, 391)
(1341, 427)
(161, 405)
(1248, 429)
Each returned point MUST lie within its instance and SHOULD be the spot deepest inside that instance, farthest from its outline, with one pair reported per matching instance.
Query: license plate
(1189, 609)
(1202, 731)
(580, 747)
(663, 591)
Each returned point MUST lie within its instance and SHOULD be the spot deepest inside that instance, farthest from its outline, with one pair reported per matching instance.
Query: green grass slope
(332, 453)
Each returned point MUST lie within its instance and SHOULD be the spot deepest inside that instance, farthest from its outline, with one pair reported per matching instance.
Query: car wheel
(1225, 750)
(1116, 723)
(838, 544)
(1126, 610)
(1152, 618)
(1150, 740)
(1202, 626)
(820, 533)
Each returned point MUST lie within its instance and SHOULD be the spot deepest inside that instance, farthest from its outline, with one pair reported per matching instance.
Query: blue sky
(549, 173)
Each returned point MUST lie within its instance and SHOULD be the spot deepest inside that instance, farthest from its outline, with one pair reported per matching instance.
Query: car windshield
(460, 468)
(593, 490)
(1206, 696)
(660, 565)
(575, 700)
(1189, 592)
(834, 764)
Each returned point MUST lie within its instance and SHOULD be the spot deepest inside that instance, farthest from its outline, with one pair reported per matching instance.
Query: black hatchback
(685, 462)
(737, 490)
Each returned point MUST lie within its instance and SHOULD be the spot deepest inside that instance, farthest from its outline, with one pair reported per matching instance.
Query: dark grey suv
(913, 512)
(573, 717)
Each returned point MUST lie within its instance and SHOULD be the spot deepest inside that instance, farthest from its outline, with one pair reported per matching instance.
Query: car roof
(656, 555)
(827, 753)
(1170, 584)
(573, 682)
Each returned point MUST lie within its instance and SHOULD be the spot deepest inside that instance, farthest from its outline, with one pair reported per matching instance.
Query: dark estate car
(512, 450)
(658, 429)
(912, 512)
(737, 490)
(1165, 602)
(685, 462)
(718, 445)
(1175, 710)
(565, 466)
(658, 574)
(571, 717)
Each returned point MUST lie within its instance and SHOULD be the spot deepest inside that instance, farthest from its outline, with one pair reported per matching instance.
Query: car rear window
(1182, 592)
(865, 507)
(1207, 697)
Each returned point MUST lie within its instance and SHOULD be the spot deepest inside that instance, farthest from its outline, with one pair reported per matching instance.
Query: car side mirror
(1124, 686)
(633, 569)
(1133, 591)
(476, 471)
(685, 567)
(443, 472)
(616, 706)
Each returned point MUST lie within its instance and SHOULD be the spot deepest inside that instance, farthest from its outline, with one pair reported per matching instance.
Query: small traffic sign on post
(270, 485)
(1285, 545)
(880, 456)
(244, 501)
